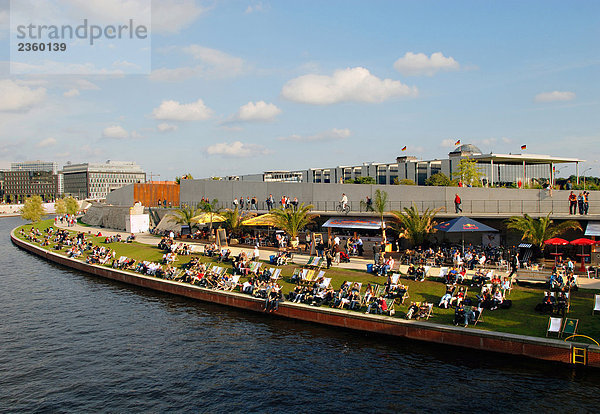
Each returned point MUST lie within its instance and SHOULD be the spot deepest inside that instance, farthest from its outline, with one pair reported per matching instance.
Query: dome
(470, 148)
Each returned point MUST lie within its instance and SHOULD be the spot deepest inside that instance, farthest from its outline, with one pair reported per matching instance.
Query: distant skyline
(241, 87)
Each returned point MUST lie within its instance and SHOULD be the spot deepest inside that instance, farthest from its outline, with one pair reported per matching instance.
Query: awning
(525, 245)
(593, 228)
(353, 223)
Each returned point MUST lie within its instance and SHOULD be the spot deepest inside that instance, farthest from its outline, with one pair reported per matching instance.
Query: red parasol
(556, 241)
(582, 242)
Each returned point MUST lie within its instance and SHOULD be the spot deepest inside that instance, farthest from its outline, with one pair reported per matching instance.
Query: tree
(438, 180)
(361, 180)
(293, 220)
(60, 207)
(536, 231)
(469, 173)
(404, 181)
(71, 205)
(233, 220)
(33, 210)
(379, 205)
(184, 216)
(414, 226)
(211, 209)
(187, 176)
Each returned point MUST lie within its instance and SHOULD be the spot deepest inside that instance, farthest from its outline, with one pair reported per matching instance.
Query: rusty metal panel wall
(149, 193)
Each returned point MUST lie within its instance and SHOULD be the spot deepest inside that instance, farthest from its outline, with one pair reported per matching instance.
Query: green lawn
(519, 319)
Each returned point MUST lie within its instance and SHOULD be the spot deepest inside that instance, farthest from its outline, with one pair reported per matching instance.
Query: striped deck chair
(394, 279)
(232, 283)
(390, 306)
(310, 275)
(326, 282)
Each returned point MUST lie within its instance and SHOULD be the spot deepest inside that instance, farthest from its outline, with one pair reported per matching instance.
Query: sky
(235, 87)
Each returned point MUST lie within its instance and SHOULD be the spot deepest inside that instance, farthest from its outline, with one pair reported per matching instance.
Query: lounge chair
(596, 304)
(275, 273)
(390, 306)
(443, 272)
(570, 327)
(554, 326)
(394, 279)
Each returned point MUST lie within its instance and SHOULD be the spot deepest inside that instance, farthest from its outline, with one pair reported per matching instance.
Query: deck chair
(390, 306)
(276, 274)
(479, 319)
(426, 270)
(570, 327)
(394, 279)
(425, 310)
(302, 275)
(596, 304)
(380, 291)
(310, 261)
(443, 272)
(326, 282)
(231, 284)
(554, 326)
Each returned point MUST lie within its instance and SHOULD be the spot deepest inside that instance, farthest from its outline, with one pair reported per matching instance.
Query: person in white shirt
(344, 200)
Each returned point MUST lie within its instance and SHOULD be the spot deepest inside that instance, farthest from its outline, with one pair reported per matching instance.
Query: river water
(71, 342)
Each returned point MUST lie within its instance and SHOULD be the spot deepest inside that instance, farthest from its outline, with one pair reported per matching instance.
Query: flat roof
(519, 158)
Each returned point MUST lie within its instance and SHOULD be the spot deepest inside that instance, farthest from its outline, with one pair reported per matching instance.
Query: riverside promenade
(520, 345)
(356, 263)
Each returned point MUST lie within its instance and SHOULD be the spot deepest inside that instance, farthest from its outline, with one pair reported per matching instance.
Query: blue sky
(246, 86)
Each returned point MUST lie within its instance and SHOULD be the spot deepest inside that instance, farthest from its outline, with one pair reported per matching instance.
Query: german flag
(523, 147)
(457, 142)
(404, 148)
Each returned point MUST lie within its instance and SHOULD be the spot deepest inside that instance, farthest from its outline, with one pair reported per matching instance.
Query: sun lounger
(570, 327)
(596, 304)
(554, 326)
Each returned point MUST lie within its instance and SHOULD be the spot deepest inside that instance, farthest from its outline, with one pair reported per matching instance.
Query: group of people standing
(579, 202)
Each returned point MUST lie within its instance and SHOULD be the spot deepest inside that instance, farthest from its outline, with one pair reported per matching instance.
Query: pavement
(356, 263)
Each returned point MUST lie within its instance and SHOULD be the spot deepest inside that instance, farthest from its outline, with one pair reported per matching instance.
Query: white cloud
(334, 134)
(257, 111)
(415, 64)
(115, 132)
(236, 149)
(554, 96)
(175, 111)
(448, 143)
(168, 16)
(213, 64)
(164, 127)
(15, 97)
(48, 142)
(350, 84)
(257, 7)
(506, 140)
(86, 85)
(71, 93)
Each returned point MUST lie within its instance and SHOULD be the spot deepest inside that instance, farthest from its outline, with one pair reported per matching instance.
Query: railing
(501, 207)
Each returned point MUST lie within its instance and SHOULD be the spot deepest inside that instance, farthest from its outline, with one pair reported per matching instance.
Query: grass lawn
(519, 319)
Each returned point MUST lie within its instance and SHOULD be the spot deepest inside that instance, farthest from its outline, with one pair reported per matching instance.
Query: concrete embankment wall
(539, 348)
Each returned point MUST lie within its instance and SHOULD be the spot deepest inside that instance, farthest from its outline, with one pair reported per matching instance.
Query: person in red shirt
(572, 203)
(457, 203)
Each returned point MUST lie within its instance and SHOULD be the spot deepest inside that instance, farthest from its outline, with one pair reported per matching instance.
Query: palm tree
(184, 215)
(414, 226)
(211, 209)
(536, 231)
(380, 204)
(233, 220)
(292, 220)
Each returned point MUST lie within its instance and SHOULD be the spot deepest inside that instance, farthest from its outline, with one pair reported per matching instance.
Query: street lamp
(583, 173)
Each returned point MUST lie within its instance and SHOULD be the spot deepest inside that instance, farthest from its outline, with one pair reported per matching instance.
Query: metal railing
(500, 207)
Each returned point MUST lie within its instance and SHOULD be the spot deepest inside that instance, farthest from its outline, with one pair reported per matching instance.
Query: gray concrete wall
(121, 196)
(325, 197)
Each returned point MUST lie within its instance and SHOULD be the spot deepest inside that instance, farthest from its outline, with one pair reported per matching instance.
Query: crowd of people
(579, 203)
